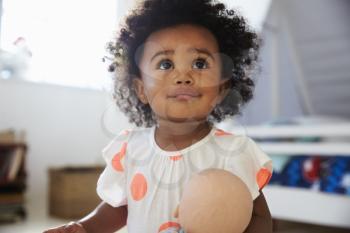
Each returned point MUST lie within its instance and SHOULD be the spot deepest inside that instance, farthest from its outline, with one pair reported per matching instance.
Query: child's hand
(72, 227)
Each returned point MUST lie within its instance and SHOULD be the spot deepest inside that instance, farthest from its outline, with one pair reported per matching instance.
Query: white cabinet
(298, 204)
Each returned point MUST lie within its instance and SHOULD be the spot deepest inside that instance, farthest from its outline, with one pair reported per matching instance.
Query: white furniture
(303, 205)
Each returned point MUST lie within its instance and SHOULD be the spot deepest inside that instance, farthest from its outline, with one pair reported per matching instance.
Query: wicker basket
(72, 191)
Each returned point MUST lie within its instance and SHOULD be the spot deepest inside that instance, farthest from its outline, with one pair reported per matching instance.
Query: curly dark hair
(235, 39)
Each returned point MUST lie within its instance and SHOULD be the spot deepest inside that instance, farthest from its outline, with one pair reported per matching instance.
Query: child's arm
(104, 219)
(261, 220)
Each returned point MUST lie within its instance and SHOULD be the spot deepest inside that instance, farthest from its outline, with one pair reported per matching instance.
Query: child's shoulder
(128, 134)
(125, 137)
(229, 136)
(232, 140)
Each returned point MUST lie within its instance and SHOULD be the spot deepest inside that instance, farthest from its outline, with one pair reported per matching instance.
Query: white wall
(63, 126)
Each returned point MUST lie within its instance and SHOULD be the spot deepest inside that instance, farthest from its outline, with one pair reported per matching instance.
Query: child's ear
(224, 88)
(140, 90)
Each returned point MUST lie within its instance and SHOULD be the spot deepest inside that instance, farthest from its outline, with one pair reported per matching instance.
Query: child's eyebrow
(163, 52)
(202, 50)
(197, 50)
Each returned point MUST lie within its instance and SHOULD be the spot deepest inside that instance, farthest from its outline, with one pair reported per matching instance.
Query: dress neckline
(182, 151)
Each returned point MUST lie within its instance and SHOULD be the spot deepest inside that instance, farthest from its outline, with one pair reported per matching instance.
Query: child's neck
(172, 136)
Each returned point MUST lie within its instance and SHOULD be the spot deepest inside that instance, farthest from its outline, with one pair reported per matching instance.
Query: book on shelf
(11, 161)
(16, 163)
(5, 160)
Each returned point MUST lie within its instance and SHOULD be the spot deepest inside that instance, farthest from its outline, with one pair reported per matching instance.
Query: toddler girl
(180, 66)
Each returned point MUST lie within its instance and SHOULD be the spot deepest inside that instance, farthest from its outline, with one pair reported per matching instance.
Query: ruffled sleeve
(261, 167)
(111, 185)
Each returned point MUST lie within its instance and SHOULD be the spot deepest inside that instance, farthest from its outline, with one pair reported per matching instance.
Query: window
(63, 40)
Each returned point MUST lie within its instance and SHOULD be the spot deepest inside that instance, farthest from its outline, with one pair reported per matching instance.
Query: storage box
(72, 191)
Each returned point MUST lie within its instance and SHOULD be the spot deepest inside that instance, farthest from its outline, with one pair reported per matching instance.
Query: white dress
(150, 180)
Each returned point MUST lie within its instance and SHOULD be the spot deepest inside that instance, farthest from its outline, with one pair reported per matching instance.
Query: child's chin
(183, 119)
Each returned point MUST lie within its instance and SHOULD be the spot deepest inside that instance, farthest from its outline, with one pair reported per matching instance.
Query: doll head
(235, 52)
(215, 200)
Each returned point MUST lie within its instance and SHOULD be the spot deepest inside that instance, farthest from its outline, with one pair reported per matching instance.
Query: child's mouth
(184, 93)
(185, 97)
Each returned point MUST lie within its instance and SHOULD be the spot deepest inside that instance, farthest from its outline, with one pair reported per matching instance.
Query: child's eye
(165, 65)
(200, 63)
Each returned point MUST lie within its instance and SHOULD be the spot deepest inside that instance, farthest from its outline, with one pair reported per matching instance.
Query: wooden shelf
(7, 145)
(308, 206)
(12, 180)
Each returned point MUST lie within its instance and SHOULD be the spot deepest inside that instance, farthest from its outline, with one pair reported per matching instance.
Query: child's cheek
(150, 79)
(154, 82)
(210, 82)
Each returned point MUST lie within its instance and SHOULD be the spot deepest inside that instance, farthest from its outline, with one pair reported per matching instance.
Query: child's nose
(185, 81)
(183, 78)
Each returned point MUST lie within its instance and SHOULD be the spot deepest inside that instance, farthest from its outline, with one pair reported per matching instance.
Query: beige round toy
(215, 200)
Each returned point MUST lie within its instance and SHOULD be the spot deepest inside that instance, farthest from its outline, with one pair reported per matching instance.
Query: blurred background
(57, 113)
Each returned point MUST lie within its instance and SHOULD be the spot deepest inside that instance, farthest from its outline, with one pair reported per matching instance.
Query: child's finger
(74, 227)
(56, 230)
(71, 227)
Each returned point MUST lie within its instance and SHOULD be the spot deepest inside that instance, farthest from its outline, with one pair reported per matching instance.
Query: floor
(292, 227)
(37, 221)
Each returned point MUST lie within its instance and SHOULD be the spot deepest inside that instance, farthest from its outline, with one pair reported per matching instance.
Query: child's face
(180, 73)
